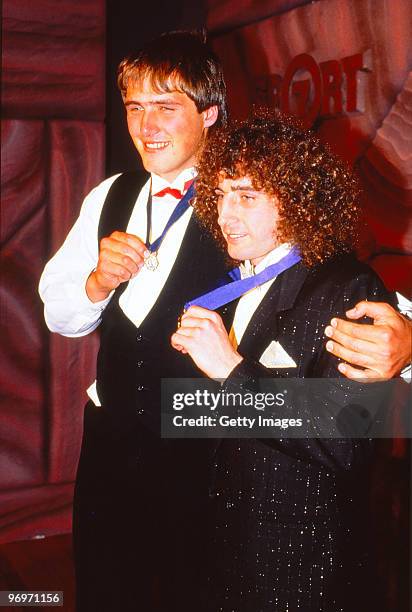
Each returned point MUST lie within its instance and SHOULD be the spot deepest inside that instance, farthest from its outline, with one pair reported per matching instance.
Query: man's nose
(148, 126)
(227, 209)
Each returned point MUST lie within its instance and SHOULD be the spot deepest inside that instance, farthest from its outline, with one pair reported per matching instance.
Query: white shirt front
(251, 300)
(68, 310)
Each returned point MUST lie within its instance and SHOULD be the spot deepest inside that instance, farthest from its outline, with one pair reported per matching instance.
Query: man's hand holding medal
(201, 333)
(121, 257)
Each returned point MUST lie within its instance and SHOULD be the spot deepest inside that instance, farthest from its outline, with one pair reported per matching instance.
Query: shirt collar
(158, 183)
(248, 269)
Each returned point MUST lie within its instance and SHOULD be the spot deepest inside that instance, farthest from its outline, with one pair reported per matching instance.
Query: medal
(151, 262)
(179, 320)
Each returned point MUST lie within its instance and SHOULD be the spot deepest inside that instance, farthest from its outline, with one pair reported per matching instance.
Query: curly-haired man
(282, 513)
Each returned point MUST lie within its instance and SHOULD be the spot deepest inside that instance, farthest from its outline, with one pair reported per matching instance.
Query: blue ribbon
(229, 292)
(180, 209)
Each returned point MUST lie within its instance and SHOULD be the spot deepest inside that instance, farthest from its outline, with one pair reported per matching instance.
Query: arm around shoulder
(378, 350)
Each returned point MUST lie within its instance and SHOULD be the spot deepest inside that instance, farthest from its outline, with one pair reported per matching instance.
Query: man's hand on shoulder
(380, 350)
(121, 257)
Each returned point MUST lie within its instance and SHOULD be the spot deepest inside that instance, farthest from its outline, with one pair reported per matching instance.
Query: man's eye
(167, 109)
(247, 198)
(134, 109)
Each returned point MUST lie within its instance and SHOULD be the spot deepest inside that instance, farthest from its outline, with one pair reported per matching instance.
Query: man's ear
(210, 116)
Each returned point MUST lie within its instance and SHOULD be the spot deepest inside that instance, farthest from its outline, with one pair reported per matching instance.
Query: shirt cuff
(71, 313)
(92, 393)
(88, 314)
(404, 305)
(85, 306)
(407, 373)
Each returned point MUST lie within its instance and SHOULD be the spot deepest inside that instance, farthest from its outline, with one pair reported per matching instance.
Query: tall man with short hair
(138, 502)
(132, 259)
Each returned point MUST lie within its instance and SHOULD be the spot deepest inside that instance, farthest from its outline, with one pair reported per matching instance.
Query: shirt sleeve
(67, 308)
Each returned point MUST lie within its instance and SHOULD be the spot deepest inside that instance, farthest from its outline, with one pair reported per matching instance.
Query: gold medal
(179, 320)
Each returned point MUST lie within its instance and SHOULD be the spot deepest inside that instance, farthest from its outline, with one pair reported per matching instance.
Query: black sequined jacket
(288, 516)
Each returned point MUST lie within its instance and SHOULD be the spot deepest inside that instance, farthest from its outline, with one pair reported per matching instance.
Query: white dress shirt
(68, 310)
(251, 300)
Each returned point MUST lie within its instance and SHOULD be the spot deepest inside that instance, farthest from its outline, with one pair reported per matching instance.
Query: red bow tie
(176, 193)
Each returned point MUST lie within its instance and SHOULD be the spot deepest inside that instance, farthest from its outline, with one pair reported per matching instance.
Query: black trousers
(139, 519)
(281, 538)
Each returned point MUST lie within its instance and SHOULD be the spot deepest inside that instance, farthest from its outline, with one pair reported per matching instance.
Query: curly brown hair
(318, 194)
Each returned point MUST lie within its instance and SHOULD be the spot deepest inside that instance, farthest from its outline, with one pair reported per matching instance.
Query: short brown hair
(318, 194)
(181, 61)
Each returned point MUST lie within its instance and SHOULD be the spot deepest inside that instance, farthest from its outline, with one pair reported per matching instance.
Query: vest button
(140, 363)
(141, 388)
(139, 337)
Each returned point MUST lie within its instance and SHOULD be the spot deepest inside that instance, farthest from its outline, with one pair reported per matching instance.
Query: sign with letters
(309, 89)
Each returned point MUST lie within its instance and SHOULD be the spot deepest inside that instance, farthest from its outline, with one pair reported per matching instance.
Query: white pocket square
(275, 356)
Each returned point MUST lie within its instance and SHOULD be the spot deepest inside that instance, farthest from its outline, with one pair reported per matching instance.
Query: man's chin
(153, 166)
(236, 253)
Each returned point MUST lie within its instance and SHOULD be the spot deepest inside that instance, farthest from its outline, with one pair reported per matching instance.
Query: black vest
(133, 360)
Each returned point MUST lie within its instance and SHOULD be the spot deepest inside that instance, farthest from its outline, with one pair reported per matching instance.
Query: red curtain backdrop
(375, 136)
(227, 14)
(52, 154)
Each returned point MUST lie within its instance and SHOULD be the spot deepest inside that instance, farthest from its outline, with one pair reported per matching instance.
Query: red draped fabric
(52, 153)
(228, 14)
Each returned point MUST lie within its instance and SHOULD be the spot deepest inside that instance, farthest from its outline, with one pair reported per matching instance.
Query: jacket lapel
(263, 325)
(227, 313)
